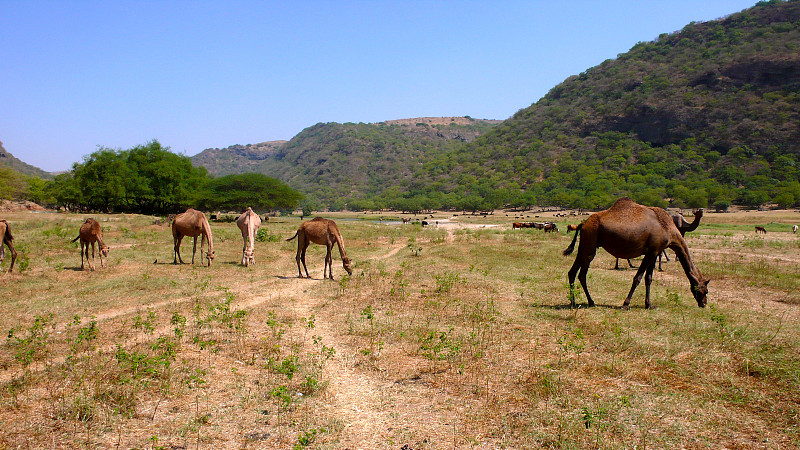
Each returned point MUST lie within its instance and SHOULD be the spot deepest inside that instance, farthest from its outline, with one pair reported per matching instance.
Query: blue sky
(76, 75)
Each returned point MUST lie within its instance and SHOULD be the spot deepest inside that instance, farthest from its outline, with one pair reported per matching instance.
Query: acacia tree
(237, 192)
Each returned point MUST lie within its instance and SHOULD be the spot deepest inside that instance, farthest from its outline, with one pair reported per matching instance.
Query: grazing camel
(192, 223)
(90, 233)
(760, 229)
(794, 229)
(5, 231)
(627, 230)
(683, 227)
(323, 232)
(248, 223)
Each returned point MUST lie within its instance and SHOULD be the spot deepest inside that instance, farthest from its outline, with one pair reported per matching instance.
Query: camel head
(210, 255)
(347, 265)
(700, 291)
(104, 251)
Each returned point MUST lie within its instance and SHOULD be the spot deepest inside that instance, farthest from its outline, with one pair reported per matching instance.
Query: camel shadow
(567, 306)
(294, 277)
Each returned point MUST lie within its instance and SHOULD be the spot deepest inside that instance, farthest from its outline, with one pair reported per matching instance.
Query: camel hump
(623, 202)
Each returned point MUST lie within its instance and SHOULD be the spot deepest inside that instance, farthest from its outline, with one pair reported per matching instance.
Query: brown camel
(627, 230)
(5, 231)
(323, 232)
(248, 224)
(683, 227)
(90, 233)
(192, 223)
(760, 229)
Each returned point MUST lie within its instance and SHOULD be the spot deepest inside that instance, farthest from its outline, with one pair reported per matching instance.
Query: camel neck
(340, 244)
(682, 252)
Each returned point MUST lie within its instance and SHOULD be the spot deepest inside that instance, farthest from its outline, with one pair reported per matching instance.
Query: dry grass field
(456, 335)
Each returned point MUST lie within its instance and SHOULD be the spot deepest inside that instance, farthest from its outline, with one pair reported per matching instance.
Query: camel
(192, 223)
(760, 230)
(683, 227)
(627, 230)
(5, 231)
(90, 233)
(794, 229)
(248, 223)
(323, 232)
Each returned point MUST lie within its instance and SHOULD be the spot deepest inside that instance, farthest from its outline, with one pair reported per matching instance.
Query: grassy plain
(457, 335)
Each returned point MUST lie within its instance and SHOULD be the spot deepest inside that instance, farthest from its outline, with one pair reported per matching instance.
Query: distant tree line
(148, 179)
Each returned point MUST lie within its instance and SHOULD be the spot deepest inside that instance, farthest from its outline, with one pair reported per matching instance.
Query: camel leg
(13, 255)
(571, 276)
(328, 262)
(581, 264)
(582, 279)
(630, 264)
(649, 260)
(91, 265)
(302, 245)
(299, 259)
(194, 248)
(177, 250)
(648, 278)
(303, 259)
(202, 241)
(10, 249)
(83, 252)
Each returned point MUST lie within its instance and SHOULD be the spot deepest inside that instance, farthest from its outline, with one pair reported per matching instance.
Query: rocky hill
(236, 158)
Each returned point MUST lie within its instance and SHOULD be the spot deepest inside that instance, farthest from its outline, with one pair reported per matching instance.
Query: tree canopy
(152, 180)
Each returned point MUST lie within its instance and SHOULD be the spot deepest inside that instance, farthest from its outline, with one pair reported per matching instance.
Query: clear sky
(75, 75)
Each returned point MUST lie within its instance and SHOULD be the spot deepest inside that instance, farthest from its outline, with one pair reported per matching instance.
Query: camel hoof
(626, 307)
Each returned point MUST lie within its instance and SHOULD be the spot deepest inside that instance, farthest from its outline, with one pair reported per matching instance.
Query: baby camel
(628, 230)
(5, 232)
(323, 232)
(90, 233)
(248, 224)
(192, 223)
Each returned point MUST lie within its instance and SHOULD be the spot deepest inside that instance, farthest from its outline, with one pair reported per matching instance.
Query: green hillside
(708, 115)
(353, 164)
(705, 117)
(8, 160)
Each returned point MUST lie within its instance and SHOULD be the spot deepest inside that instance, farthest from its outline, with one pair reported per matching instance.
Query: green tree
(12, 184)
(237, 192)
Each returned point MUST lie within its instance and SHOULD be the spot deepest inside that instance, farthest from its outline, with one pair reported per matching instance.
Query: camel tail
(295, 235)
(571, 247)
(79, 236)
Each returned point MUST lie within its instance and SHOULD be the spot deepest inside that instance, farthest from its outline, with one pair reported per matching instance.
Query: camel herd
(625, 230)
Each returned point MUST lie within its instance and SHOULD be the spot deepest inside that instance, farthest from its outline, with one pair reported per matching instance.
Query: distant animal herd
(626, 230)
